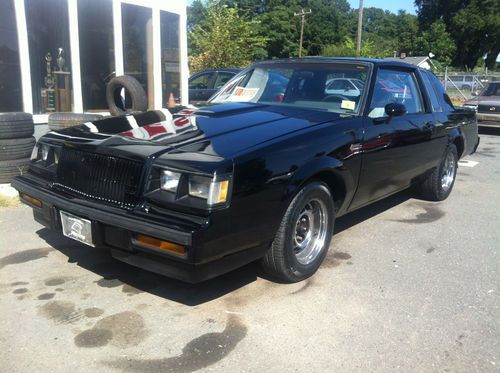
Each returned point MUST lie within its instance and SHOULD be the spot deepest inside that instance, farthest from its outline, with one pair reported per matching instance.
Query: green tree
(437, 41)
(224, 39)
(348, 49)
(474, 25)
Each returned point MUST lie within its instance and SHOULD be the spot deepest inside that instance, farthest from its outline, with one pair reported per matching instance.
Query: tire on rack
(16, 125)
(16, 148)
(134, 89)
(304, 235)
(11, 168)
(59, 121)
(439, 183)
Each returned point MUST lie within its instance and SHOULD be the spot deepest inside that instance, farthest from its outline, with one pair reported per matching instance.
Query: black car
(205, 84)
(260, 174)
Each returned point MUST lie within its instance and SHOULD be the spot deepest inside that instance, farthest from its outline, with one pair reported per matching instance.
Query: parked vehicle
(261, 173)
(487, 104)
(205, 84)
(344, 86)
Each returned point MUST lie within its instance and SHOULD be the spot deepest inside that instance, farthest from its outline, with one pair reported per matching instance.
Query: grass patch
(9, 201)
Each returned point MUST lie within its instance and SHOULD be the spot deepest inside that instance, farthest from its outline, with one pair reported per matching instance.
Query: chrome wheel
(448, 172)
(310, 231)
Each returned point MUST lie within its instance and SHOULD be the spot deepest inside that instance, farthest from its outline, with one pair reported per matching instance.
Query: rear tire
(304, 235)
(439, 183)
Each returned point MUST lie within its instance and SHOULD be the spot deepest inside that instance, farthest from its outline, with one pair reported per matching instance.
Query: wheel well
(335, 184)
(459, 143)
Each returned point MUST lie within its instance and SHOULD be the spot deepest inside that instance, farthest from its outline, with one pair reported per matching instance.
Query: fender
(338, 174)
(456, 134)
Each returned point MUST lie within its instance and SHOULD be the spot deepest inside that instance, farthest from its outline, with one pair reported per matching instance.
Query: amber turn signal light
(32, 200)
(159, 244)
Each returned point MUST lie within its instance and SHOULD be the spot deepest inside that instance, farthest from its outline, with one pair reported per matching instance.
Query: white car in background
(344, 86)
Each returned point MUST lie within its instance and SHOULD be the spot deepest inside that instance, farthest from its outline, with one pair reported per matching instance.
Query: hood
(484, 100)
(220, 131)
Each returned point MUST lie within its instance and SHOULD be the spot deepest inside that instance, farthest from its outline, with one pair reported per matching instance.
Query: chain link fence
(461, 86)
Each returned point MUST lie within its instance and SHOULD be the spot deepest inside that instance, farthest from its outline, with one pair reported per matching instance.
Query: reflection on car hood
(221, 130)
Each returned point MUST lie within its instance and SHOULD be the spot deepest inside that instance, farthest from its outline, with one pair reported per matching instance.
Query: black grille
(487, 109)
(100, 177)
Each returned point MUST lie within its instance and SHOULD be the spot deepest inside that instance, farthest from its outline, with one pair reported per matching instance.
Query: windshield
(337, 87)
(491, 89)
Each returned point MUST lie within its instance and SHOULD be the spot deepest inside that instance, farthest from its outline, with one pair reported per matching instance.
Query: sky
(392, 5)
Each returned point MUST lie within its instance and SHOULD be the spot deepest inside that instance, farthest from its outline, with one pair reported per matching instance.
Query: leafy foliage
(474, 25)
(224, 39)
(458, 32)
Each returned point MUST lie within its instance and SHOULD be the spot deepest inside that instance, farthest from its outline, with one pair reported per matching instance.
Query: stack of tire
(59, 121)
(16, 144)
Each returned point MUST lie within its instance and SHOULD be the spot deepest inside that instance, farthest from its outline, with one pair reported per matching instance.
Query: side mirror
(476, 93)
(395, 110)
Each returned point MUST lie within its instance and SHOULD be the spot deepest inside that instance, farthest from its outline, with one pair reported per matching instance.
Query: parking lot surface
(408, 285)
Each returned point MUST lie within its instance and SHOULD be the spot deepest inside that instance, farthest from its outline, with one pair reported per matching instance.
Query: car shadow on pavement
(365, 213)
(495, 131)
(132, 280)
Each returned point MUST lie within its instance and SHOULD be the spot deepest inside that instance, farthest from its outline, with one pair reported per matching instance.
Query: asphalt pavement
(407, 286)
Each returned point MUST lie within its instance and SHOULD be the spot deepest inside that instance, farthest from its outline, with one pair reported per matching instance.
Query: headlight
(474, 107)
(46, 154)
(215, 192)
(170, 180)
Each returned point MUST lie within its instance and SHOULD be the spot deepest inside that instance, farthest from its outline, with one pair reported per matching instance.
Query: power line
(360, 28)
(303, 15)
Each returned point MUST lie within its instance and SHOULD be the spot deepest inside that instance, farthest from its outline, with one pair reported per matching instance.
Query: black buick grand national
(283, 149)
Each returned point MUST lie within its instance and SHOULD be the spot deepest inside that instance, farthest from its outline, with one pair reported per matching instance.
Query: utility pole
(303, 15)
(360, 28)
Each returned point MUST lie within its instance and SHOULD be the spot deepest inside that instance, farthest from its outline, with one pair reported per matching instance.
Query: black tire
(16, 148)
(134, 89)
(281, 261)
(9, 169)
(16, 125)
(432, 188)
(59, 121)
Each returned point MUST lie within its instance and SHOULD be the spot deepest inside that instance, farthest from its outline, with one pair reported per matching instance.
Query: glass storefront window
(170, 56)
(97, 53)
(138, 46)
(10, 71)
(50, 56)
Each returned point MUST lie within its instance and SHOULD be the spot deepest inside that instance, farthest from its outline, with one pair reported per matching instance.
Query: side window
(222, 78)
(442, 96)
(200, 82)
(436, 106)
(393, 86)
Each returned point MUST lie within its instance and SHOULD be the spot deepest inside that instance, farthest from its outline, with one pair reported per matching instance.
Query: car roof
(374, 61)
(228, 70)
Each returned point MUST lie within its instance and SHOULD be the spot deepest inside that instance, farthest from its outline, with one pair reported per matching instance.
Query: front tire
(439, 183)
(304, 235)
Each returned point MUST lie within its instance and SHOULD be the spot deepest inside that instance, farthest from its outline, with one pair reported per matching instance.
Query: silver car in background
(487, 104)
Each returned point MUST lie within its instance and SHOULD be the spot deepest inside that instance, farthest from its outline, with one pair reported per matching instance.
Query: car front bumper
(487, 118)
(115, 229)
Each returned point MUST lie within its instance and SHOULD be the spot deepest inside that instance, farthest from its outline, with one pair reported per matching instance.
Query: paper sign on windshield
(347, 104)
(242, 94)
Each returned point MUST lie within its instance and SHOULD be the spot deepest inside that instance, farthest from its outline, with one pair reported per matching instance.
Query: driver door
(394, 149)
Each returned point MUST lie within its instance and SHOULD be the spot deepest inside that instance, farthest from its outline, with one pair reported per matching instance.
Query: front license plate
(77, 228)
